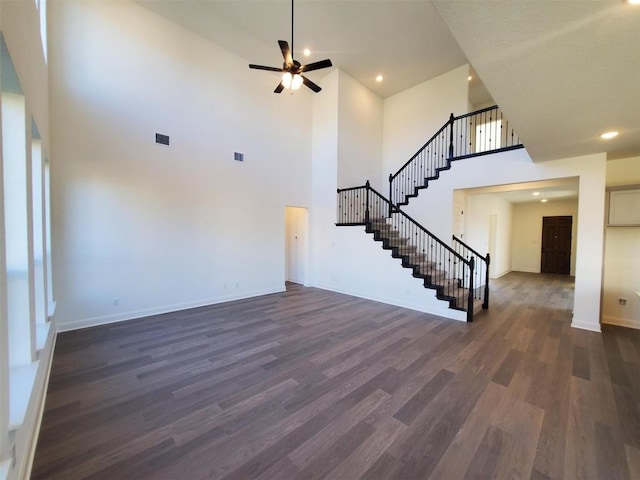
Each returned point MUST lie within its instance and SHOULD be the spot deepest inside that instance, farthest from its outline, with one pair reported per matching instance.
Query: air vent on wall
(162, 139)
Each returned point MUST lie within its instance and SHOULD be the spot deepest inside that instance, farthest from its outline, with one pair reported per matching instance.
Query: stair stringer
(367, 271)
(436, 280)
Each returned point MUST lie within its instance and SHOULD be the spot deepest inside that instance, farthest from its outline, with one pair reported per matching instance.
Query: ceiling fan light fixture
(296, 82)
(286, 79)
(293, 82)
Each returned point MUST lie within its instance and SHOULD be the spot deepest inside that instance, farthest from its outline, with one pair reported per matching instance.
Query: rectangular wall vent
(239, 157)
(162, 139)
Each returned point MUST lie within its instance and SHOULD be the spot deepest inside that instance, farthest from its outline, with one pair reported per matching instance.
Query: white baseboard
(147, 312)
(621, 322)
(586, 326)
(442, 312)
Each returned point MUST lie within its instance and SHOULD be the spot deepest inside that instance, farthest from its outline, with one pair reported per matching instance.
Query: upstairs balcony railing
(473, 134)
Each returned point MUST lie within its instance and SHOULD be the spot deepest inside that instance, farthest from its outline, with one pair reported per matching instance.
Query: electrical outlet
(622, 302)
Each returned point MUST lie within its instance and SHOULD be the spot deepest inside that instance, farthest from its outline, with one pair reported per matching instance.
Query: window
(41, 6)
(488, 136)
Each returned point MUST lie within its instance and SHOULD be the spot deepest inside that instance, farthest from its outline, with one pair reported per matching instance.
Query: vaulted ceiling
(563, 71)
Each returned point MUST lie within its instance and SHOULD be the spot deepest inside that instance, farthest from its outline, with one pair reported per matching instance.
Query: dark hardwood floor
(314, 384)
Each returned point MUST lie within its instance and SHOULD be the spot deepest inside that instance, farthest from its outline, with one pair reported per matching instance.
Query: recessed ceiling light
(634, 2)
(535, 194)
(609, 135)
(469, 78)
(379, 78)
(544, 200)
(306, 52)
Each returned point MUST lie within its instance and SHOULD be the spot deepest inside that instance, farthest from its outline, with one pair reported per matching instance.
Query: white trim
(621, 322)
(40, 411)
(586, 326)
(22, 380)
(443, 312)
(147, 312)
(51, 309)
(42, 333)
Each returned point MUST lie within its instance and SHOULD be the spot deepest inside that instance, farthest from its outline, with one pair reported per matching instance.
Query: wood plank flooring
(310, 384)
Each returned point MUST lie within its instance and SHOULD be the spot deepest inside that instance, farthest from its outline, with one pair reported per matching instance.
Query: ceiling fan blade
(286, 52)
(263, 67)
(316, 88)
(316, 65)
(279, 88)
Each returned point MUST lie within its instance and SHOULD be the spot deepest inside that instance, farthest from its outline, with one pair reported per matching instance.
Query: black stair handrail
(395, 209)
(482, 264)
(363, 205)
(472, 134)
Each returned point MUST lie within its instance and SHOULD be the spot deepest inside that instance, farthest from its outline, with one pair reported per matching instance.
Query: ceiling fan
(291, 69)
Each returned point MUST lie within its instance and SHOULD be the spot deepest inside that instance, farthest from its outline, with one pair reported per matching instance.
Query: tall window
(489, 136)
(47, 238)
(22, 247)
(15, 226)
(38, 227)
(41, 6)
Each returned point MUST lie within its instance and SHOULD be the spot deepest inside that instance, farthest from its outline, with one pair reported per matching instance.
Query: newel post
(390, 193)
(485, 304)
(470, 299)
(366, 212)
(451, 120)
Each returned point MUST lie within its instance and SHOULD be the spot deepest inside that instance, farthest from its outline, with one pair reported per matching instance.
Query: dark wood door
(556, 245)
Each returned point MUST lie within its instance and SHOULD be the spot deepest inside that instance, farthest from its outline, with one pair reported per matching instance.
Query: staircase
(438, 265)
(457, 273)
(474, 134)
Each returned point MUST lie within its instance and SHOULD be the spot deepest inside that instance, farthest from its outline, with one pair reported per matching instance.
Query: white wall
(479, 209)
(515, 167)
(324, 179)
(622, 255)
(142, 228)
(412, 117)
(359, 134)
(527, 232)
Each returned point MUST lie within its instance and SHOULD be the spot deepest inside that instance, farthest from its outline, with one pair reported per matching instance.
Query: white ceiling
(563, 71)
(405, 41)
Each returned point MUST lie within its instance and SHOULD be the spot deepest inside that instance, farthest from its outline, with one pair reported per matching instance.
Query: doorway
(556, 245)
(296, 226)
